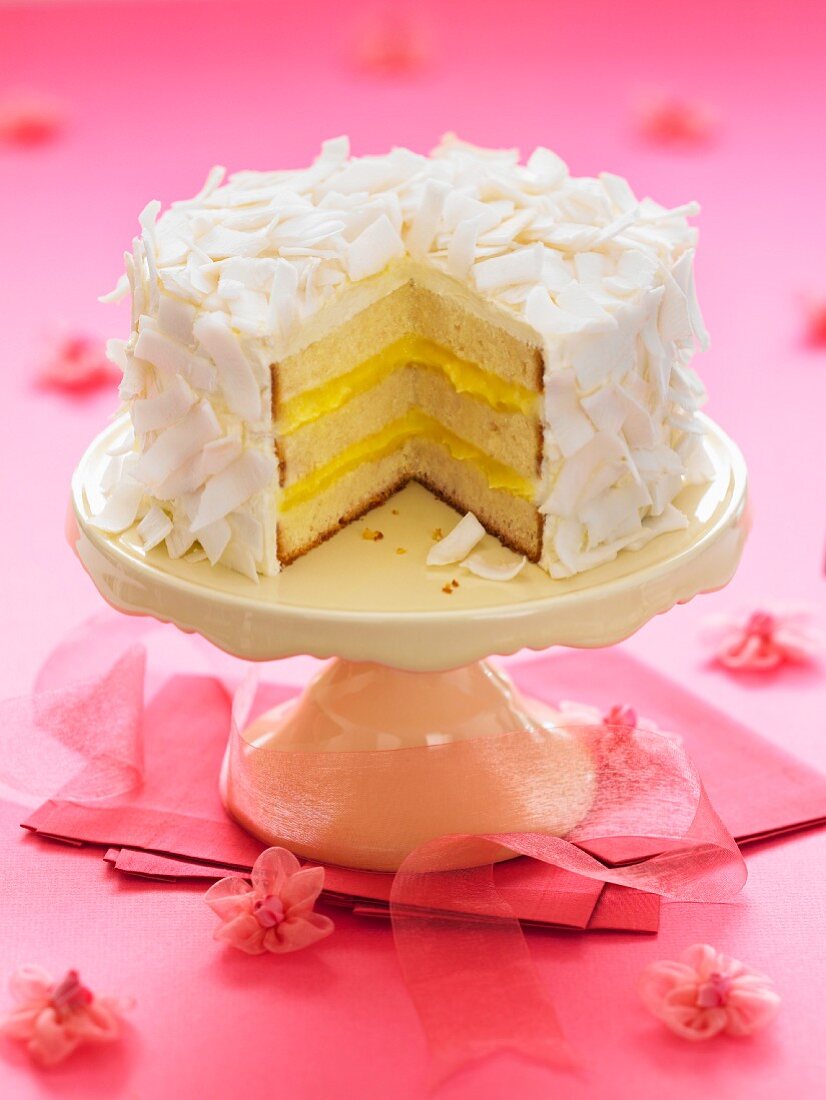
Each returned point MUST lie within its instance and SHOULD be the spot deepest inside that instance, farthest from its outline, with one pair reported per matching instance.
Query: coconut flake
(608, 513)
(176, 444)
(281, 307)
(593, 468)
(133, 383)
(522, 266)
(542, 313)
(154, 413)
(119, 291)
(121, 509)
(494, 565)
(179, 539)
(673, 321)
(233, 486)
(116, 353)
(373, 249)
(248, 531)
(167, 355)
(218, 454)
(574, 299)
(235, 374)
(211, 184)
(570, 426)
(426, 217)
(214, 537)
(457, 543)
(461, 251)
(176, 318)
(548, 169)
(241, 560)
(684, 275)
(154, 527)
(124, 445)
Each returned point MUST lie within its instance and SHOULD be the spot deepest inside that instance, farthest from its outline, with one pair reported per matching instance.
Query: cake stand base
(323, 775)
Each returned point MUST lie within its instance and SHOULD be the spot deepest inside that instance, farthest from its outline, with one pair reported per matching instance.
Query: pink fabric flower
(816, 322)
(27, 120)
(765, 639)
(664, 118)
(707, 993)
(77, 362)
(54, 1018)
(275, 913)
(390, 44)
(620, 714)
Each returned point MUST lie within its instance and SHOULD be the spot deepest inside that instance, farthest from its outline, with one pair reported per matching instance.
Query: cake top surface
(562, 254)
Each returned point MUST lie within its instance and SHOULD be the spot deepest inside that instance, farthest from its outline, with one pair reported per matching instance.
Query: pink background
(156, 93)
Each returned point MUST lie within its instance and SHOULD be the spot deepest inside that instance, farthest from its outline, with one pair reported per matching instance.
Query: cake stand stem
(371, 761)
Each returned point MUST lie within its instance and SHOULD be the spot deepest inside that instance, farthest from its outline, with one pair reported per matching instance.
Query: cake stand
(408, 670)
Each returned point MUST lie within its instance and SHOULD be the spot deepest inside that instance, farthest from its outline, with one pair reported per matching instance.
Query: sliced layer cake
(305, 343)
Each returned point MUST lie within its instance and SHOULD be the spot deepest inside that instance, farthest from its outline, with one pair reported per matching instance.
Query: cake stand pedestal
(409, 666)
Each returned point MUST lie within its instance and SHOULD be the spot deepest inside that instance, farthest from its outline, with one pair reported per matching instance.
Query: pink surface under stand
(337, 1021)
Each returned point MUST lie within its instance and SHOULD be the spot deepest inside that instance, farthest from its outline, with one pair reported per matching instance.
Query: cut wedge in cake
(305, 343)
(414, 387)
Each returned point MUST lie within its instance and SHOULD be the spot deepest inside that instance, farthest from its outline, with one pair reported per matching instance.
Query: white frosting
(255, 268)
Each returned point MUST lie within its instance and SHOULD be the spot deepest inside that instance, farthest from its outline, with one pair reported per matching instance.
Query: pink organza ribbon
(462, 952)
(473, 982)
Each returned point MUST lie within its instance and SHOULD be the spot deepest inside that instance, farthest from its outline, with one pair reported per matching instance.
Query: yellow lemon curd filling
(413, 425)
(467, 378)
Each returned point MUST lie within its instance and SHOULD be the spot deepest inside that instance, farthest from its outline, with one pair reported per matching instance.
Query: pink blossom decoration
(664, 118)
(54, 1018)
(275, 913)
(28, 120)
(390, 44)
(707, 993)
(620, 714)
(816, 322)
(765, 639)
(77, 363)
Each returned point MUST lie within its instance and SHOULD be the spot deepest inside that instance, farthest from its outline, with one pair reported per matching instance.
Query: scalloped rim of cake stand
(360, 600)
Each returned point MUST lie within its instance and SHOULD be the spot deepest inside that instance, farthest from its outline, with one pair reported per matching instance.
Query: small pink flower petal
(704, 961)
(389, 44)
(816, 323)
(295, 934)
(272, 870)
(692, 1023)
(27, 120)
(30, 983)
(664, 118)
(20, 1022)
(301, 890)
(52, 1041)
(230, 897)
(243, 932)
(751, 1009)
(99, 1022)
(660, 979)
(77, 363)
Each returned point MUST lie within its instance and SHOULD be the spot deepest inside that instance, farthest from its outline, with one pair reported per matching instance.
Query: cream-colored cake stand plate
(409, 646)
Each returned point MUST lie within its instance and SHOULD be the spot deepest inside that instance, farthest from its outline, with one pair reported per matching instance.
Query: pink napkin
(174, 826)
